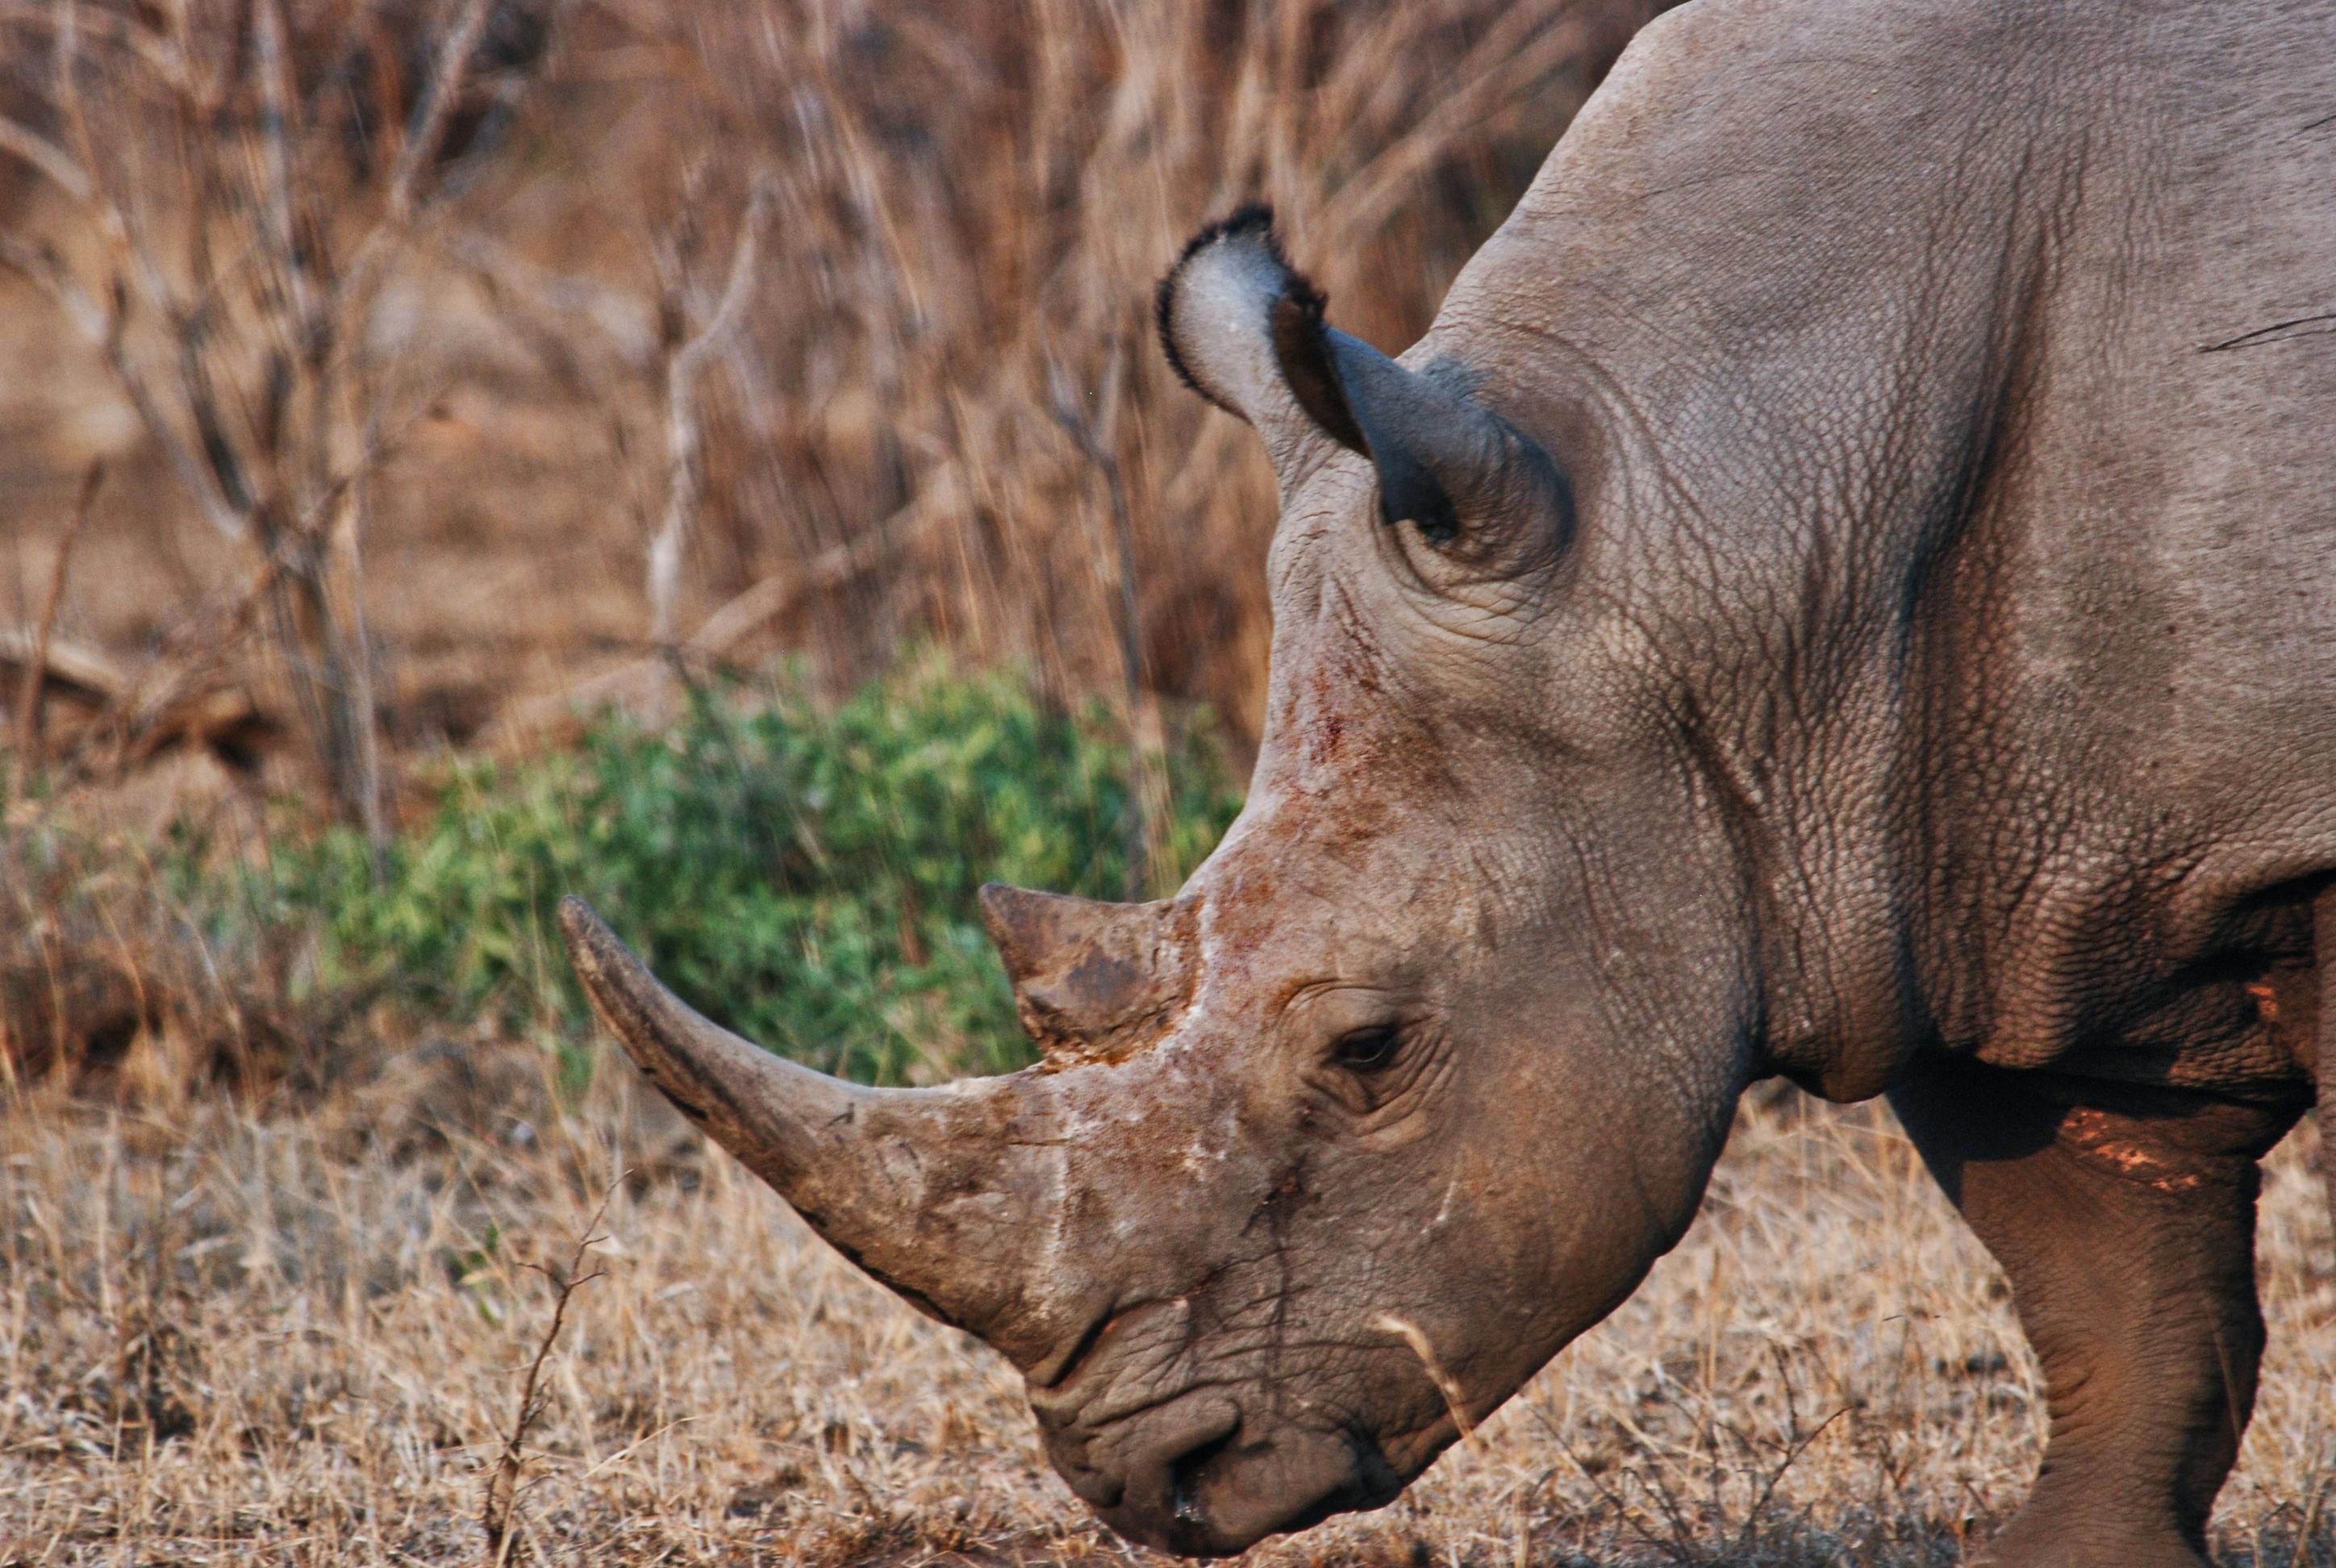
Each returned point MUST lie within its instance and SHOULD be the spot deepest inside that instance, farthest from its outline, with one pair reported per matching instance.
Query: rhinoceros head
(1415, 1077)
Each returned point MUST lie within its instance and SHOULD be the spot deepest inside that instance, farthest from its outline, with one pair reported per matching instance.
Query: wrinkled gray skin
(1857, 605)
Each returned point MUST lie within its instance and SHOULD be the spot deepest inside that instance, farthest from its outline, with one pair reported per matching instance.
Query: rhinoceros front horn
(933, 1191)
(1092, 981)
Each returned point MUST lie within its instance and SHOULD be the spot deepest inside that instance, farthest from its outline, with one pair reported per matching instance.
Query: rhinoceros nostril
(1185, 1473)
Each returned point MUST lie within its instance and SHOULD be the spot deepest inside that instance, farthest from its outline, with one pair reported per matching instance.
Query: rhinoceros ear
(1091, 980)
(1246, 331)
(1224, 310)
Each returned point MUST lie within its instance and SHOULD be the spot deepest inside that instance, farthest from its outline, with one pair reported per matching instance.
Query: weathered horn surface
(1093, 981)
(936, 1192)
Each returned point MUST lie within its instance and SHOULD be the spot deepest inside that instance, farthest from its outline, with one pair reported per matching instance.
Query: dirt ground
(302, 1337)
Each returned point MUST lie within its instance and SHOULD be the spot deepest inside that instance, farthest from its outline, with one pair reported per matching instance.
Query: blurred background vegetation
(710, 457)
(807, 872)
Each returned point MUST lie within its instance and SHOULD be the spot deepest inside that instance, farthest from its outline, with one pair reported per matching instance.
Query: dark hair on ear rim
(1250, 217)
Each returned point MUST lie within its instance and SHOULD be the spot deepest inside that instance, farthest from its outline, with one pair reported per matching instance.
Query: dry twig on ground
(500, 1510)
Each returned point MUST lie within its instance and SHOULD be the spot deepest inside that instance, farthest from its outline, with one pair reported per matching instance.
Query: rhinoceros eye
(1367, 1050)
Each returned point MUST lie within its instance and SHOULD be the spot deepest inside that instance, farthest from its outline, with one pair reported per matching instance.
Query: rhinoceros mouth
(1225, 1492)
(1107, 1328)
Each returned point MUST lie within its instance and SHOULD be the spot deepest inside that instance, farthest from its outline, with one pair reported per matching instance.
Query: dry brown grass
(300, 1339)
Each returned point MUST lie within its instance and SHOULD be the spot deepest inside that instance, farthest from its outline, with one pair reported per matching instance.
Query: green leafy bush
(806, 874)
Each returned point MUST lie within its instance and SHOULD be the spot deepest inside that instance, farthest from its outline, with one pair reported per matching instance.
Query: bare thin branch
(274, 120)
(426, 130)
(111, 28)
(682, 441)
(52, 160)
(65, 77)
(379, 443)
(502, 1494)
(227, 520)
(619, 315)
(437, 106)
(37, 668)
(42, 268)
(101, 327)
(127, 245)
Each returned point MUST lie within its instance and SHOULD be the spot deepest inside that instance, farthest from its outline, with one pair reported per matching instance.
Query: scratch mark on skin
(1444, 1209)
(2277, 332)
(1411, 1334)
(1058, 1240)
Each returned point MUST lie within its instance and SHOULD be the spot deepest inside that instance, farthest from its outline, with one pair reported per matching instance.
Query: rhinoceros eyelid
(1369, 1050)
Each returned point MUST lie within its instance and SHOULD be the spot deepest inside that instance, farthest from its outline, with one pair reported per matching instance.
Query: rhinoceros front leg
(2129, 1238)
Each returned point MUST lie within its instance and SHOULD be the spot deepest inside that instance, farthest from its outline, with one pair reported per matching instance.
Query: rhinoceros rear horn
(1092, 981)
(933, 1191)
(1246, 330)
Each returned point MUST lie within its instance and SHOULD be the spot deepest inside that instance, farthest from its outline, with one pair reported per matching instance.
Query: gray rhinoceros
(1846, 590)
